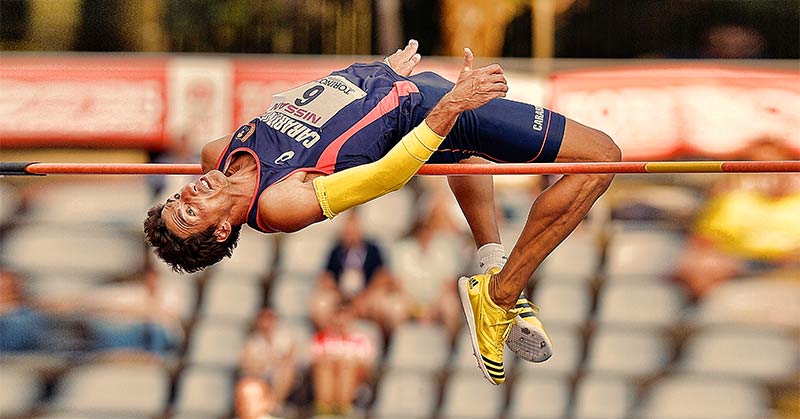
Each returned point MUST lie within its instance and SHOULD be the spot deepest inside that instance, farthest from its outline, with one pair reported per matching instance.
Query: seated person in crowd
(271, 356)
(134, 316)
(356, 274)
(254, 399)
(748, 226)
(429, 290)
(22, 327)
(342, 360)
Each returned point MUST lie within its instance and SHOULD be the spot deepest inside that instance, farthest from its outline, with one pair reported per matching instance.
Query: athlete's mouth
(204, 181)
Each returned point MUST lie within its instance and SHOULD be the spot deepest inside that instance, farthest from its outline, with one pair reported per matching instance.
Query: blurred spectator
(22, 328)
(427, 264)
(342, 360)
(749, 225)
(356, 274)
(254, 399)
(271, 356)
(733, 41)
(475, 24)
(139, 315)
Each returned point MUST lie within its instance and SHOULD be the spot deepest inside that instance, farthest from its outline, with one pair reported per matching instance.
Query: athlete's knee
(607, 149)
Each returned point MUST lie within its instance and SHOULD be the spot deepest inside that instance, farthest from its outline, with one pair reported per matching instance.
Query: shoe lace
(534, 307)
(506, 325)
(528, 305)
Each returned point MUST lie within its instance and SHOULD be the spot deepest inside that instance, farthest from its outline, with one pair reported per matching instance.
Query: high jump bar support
(780, 166)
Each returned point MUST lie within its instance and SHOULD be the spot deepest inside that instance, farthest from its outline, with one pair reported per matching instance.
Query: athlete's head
(193, 229)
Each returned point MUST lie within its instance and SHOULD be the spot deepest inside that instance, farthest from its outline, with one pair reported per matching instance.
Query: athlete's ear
(223, 231)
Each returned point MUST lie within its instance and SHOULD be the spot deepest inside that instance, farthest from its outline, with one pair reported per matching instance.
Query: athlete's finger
(495, 78)
(408, 51)
(494, 94)
(411, 48)
(495, 87)
(500, 87)
(491, 69)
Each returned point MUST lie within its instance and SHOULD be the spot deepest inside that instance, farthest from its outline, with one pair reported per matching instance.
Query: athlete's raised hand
(404, 60)
(475, 88)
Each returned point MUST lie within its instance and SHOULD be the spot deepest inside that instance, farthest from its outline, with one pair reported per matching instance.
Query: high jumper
(359, 133)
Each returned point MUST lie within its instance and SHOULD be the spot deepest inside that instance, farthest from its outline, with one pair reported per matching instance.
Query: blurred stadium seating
(627, 346)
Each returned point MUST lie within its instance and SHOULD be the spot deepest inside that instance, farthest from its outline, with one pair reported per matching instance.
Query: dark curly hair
(191, 254)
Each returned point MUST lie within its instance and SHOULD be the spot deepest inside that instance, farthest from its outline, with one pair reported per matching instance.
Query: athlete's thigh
(507, 131)
(584, 143)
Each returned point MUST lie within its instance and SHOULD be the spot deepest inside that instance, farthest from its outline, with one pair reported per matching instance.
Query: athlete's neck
(242, 174)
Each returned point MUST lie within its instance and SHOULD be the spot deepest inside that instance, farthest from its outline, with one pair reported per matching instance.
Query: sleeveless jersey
(348, 118)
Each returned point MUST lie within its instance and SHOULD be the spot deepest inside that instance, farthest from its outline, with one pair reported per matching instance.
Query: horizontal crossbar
(781, 166)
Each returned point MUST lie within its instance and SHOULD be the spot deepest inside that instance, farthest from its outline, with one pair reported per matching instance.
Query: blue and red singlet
(354, 116)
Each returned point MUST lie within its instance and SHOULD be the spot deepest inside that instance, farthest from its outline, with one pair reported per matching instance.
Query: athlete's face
(197, 206)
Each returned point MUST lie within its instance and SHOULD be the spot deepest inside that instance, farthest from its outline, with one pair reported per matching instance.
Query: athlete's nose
(188, 190)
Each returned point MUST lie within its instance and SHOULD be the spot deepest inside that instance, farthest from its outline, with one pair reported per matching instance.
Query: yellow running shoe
(528, 338)
(489, 325)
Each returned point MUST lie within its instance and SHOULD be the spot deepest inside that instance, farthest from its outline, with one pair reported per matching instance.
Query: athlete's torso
(348, 118)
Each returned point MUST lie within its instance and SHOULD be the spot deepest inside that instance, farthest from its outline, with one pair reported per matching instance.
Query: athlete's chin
(217, 179)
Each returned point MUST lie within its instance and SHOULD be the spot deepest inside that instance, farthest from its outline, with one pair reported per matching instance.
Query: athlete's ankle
(491, 256)
(502, 297)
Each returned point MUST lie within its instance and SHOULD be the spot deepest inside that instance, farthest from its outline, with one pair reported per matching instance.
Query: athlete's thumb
(468, 57)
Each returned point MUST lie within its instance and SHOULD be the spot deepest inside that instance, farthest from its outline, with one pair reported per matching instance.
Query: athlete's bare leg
(556, 212)
(475, 196)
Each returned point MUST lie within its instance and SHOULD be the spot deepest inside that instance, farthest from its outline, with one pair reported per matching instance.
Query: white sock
(492, 255)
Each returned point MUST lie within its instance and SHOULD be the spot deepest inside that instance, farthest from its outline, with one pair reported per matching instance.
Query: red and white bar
(781, 166)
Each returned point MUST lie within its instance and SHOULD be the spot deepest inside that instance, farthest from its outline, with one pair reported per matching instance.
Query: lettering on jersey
(336, 84)
(299, 112)
(538, 118)
(283, 158)
(244, 132)
(316, 102)
(291, 127)
(293, 110)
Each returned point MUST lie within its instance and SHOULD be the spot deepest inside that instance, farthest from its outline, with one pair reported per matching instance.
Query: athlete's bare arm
(212, 151)
(292, 204)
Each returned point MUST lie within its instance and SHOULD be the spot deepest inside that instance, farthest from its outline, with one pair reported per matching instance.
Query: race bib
(317, 102)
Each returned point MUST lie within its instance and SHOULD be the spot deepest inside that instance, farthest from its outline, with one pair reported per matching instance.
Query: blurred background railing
(493, 28)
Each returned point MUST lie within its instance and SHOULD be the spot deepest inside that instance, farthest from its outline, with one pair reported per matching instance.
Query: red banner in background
(182, 101)
(659, 112)
(99, 102)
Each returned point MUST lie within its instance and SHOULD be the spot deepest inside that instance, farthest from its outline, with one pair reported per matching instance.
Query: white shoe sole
(463, 295)
(529, 342)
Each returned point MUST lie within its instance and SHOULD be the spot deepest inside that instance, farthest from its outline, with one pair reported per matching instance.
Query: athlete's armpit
(289, 205)
(212, 152)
